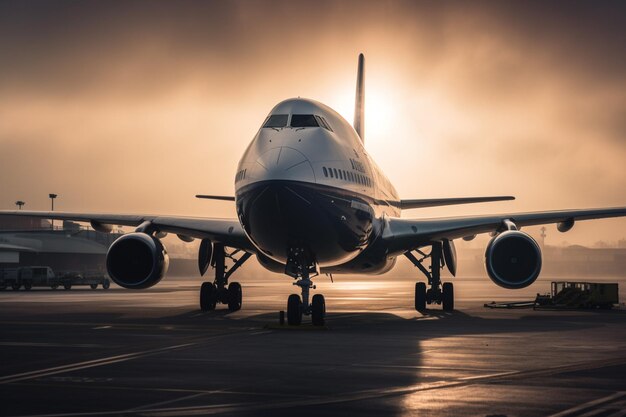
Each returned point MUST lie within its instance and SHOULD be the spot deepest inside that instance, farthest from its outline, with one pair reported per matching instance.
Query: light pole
(52, 197)
(19, 204)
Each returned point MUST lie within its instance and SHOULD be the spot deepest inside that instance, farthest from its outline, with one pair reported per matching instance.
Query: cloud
(140, 105)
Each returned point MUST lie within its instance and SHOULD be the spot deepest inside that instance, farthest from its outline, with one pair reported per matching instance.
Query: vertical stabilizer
(359, 105)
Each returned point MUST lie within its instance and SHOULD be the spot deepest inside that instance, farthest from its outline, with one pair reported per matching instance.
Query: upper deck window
(303, 120)
(276, 120)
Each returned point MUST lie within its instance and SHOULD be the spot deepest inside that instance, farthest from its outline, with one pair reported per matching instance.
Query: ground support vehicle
(566, 294)
(27, 277)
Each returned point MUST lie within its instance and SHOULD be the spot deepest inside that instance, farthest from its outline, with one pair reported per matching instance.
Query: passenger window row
(344, 175)
(297, 120)
(240, 175)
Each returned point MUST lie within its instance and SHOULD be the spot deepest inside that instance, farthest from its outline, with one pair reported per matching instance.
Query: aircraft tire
(234, 296)
(448, 297)
(208, 296)
(420, 296)
(318, 310)
(28, 285)
(106, 284)
(294, 310)
(93, 286)
(67, 286)
(15, 286)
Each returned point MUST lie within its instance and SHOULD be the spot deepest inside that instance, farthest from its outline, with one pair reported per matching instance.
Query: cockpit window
(320, 121)
(276, 120)
(303, 120)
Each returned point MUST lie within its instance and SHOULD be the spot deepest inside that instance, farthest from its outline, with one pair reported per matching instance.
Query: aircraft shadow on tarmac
(454, 322)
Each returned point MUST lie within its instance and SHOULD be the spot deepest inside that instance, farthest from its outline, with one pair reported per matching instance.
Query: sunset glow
(142, 110)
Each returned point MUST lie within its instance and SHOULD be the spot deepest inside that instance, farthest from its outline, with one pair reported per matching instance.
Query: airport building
(70, 247)
(26, 241)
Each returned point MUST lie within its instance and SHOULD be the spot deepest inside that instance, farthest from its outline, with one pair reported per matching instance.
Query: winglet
(359, 105)
(216, 197)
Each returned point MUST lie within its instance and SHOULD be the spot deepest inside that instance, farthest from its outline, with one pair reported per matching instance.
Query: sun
(379, 112)
(380, 117)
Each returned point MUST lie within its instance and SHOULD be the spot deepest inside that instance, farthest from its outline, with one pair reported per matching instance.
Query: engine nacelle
(513, 259)
(137, 261)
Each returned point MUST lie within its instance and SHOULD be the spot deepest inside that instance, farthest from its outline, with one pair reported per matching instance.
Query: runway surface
(153, 353)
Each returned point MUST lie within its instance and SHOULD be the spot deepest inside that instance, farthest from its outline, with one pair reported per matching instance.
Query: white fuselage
(324, 167)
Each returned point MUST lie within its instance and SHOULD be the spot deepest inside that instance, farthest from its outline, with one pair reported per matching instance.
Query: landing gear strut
(437, 293)
(220, 291)
(300, 267)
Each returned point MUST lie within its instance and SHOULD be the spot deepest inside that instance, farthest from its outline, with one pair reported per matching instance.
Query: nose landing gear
(299, 267)
(296, 306)
(437, 293)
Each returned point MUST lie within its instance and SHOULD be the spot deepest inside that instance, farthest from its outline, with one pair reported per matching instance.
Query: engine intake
(513, 259)
(137, 261)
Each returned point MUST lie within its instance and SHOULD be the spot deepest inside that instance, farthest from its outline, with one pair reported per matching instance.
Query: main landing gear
(220, 291)
(437, 293)
(300, 267)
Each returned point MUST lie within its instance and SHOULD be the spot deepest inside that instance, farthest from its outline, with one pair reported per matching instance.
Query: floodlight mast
(52, 197)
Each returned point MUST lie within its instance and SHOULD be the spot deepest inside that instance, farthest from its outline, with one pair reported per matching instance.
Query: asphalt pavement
(120, 352)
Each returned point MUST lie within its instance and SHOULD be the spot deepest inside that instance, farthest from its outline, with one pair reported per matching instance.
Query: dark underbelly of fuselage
(332, 224)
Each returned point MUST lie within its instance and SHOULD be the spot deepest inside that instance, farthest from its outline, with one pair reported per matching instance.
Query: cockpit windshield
(303, 120)
(276, 120)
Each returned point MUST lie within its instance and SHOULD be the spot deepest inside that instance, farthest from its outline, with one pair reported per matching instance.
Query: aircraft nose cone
(284, 163)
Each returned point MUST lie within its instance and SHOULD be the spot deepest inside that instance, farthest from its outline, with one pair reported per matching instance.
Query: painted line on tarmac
(118, 326)
(174, 400)
(117, 358)
(369, 394)
(591, 405)
(365, 395)
(36, 344)
(89, 364)
(435, 368)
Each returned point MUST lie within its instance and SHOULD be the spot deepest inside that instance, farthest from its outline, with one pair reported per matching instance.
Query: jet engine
(513, 259)
(137, 261)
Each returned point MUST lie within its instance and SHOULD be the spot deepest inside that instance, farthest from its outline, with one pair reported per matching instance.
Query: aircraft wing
(437, 202)
(402, 235)
(226, 231)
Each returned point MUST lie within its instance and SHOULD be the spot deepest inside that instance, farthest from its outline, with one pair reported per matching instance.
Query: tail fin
(359, 107)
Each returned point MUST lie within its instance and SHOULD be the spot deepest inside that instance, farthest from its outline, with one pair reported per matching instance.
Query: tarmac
(154, 353)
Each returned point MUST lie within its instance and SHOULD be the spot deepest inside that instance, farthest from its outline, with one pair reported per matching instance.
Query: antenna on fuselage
(359, 105)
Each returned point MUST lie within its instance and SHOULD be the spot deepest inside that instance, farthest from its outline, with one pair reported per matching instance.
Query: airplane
(310, 200)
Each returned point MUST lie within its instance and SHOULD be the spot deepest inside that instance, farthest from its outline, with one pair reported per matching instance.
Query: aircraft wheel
(448, 297)
(318, 310)
(420, 296)
(208, 296)
(67, 286)
(15, 286)
(234, 296)
(294, 310)
(93, 286)
(28, 285)
(106, 284)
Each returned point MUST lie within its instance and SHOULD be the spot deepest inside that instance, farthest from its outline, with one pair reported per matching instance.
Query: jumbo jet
(310, 200)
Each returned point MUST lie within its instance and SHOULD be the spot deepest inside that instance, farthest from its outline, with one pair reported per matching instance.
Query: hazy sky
(137, 106)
